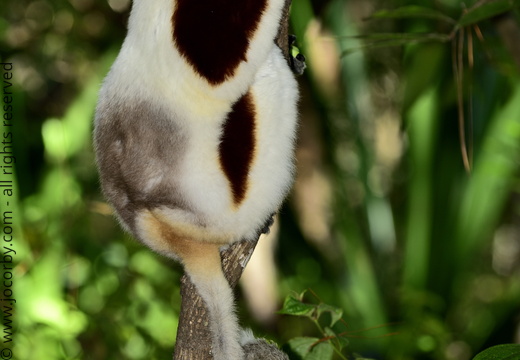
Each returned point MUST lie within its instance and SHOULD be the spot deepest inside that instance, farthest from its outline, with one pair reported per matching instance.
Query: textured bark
(193, 324)
(235, 259)
(193, 332)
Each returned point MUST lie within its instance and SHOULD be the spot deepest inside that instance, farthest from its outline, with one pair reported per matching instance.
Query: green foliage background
(396, 233)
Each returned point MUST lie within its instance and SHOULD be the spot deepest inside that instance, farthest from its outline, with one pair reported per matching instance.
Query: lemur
(194, 136)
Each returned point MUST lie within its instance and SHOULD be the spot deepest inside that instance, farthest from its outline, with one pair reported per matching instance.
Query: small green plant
(328, 319)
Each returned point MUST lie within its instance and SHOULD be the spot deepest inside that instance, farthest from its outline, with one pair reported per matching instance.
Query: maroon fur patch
(213, 35)
(237, 145)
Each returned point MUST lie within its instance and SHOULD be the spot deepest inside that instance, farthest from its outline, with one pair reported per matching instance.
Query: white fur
(247, 337)
(149, 68)
(219, 299)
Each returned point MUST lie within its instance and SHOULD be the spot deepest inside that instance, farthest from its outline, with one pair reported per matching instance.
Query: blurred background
(405, 212)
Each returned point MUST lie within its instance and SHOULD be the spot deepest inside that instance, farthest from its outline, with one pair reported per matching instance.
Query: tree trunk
(194, 317)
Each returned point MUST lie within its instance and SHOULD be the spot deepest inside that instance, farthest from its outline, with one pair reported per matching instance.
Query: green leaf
(322, 351)
(302, 345)
(342, 342)
(413, 11)
(294, 306)
(338, 341)
(335, 312)
(500, 352)
(376, 41)
(486, 11)
(308, 348)
(377, 37)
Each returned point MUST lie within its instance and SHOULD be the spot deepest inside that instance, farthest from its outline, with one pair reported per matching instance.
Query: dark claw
(269, 222)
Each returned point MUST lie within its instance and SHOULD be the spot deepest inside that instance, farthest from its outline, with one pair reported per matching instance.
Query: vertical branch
(470, 97)
(193, 324)
(194, 337)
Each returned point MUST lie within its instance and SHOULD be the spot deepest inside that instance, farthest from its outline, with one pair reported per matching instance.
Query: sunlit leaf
(159, 321)
(107, 283)
(149, 265)
(79, 270)
(294, 306)
(65, 137)
(136, 347)
(54, 139)
(116, 255)
(492, 179)
(90, 300)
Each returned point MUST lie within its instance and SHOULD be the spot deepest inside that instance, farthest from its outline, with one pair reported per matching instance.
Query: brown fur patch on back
(237, 145)
(213, 35)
